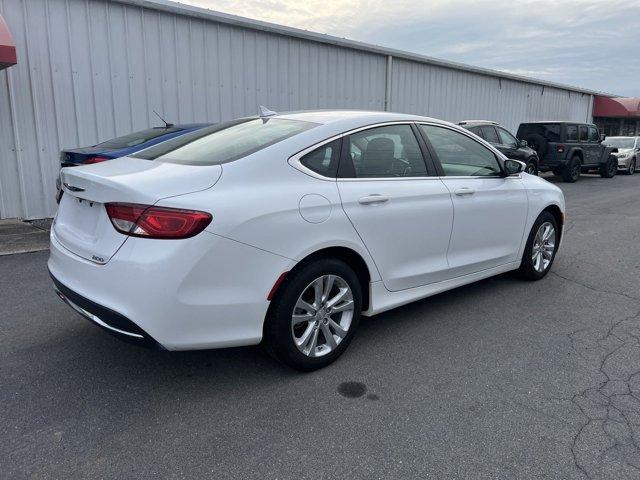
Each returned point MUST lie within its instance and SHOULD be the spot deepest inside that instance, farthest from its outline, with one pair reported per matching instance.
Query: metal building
(89, 70)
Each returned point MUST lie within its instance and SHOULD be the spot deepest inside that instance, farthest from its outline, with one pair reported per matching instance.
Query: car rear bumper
(105, 318)
(197, 293)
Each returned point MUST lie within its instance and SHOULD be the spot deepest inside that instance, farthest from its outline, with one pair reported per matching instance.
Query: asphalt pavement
(502, 379)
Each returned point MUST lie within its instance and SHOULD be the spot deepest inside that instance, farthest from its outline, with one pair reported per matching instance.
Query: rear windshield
(550, 131)
(619, 142)
(137, 138)
(225, 142)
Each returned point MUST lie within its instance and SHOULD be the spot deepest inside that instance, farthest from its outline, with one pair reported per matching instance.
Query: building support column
(387, 85)
(621, 132)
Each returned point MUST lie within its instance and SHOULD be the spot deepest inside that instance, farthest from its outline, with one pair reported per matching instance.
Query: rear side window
(137, 138)
(489, 134)
(225, 142)
(477, 131)
(593, 134)
(324, 160)
(461, 155)
(389, 151)
(572, 133)
(550, 131)
(584, 133)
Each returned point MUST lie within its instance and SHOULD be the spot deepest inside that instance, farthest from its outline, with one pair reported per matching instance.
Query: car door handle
(464, 191)
(372, 199)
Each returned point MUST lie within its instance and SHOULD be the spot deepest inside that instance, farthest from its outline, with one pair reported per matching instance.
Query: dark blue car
(125, 145)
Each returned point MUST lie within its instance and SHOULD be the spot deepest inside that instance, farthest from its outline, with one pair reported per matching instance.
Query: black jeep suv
(502, 139)
(569, 148)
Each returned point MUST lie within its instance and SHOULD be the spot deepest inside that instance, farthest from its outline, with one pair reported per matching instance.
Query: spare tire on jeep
(538, 143)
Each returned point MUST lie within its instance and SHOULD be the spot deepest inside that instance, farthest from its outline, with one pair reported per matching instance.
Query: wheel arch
(349, 256)
(555, 210)
(576, 152)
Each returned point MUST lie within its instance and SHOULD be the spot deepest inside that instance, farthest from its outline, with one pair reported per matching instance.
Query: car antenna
(166, 124)
(265, 113)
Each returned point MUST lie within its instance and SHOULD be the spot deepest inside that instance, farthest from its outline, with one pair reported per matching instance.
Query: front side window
(461, 155)
(389, 151)
(225, 142)
(324, 160)
(506, 138)
(584, 133)
(489, 134)
(572, 133)
(593, 134)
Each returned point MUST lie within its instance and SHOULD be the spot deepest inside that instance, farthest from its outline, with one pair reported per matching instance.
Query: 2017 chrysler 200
(286, 228)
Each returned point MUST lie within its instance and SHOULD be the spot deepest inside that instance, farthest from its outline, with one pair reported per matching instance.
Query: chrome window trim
(295, 162)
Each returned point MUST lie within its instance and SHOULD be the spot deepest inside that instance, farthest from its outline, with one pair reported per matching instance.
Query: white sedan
(286, 228)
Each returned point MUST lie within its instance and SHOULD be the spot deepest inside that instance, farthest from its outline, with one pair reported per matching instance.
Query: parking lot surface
(499, 379)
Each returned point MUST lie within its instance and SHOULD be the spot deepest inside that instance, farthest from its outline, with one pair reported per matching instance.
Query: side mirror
(602, 137)
(523, 143)
(513, 167)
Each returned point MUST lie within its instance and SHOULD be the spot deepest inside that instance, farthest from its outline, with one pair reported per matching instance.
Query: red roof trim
(7, 46)
(616, 107)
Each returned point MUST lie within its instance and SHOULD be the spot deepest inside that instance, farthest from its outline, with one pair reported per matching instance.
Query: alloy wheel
(632, 167)
(544, 245)
(531, 169)
(322, 315)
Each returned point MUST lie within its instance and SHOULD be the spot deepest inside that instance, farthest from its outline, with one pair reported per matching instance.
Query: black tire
(609, 168)
(278, 330)
(538, 143)
(527, 268)
(532, 167)
(632, 167)
(571, 171)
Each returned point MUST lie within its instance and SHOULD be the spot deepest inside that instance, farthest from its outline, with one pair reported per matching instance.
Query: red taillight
(560, 148)
(91, 160)
(156, 222)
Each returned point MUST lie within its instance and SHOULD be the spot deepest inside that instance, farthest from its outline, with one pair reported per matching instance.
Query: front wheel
(632, 167)
(314, 316)
(610, 168)
(532, 167)
(541, 248)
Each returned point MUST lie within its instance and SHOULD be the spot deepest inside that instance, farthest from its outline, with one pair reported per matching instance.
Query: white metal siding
(90, 70)
(456, 95)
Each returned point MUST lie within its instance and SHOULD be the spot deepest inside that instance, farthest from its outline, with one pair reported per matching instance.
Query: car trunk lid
(82, 225)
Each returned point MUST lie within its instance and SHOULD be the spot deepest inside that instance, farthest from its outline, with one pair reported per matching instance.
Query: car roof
(466, 123)
(357, 116)
(568, 122)
(190, 125)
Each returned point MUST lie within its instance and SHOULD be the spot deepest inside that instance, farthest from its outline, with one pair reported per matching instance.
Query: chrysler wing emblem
(72, 188)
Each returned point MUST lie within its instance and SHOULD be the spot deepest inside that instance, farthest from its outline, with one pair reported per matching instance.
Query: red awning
(616, 107)
(7, 47)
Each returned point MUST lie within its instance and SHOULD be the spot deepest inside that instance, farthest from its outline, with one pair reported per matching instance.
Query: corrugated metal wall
(456, 95)
(90, 70)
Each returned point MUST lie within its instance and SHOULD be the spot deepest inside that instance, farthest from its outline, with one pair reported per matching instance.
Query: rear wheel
(609, 168)
(541, 247)
(571, 172)
(314, 316)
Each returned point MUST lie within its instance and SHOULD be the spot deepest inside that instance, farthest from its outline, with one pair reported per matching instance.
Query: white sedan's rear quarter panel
(201, 292)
